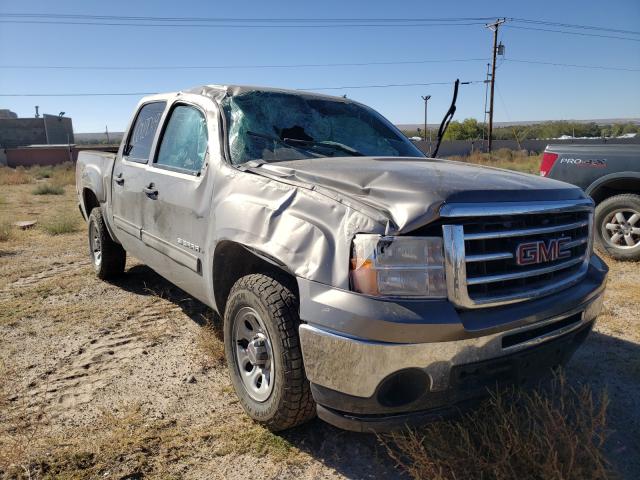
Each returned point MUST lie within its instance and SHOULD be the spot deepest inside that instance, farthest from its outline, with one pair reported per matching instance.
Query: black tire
(289, 402)
(108, 257)
(616, 247)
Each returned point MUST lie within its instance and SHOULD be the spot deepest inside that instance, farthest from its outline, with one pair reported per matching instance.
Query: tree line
(471, 129)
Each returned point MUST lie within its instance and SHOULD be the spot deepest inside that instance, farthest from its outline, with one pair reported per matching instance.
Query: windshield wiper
(327, 143)
(268, 137)
(294, 142)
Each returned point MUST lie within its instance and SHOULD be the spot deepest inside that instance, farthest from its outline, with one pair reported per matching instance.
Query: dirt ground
(127, 377)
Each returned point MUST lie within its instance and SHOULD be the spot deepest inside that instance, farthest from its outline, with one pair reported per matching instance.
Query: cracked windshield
(278, 126)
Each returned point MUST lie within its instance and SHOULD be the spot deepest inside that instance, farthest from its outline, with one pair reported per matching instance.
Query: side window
(184, 141)
(138, 147)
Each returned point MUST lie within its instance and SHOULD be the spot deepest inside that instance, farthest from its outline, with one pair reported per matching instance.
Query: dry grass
(14, 176)
(130, 444)
(48, 189)
(556, 433)
(6, 230)
(61, 223)
(64, 174)
(58, 175)
(210, 341)
(504, 158)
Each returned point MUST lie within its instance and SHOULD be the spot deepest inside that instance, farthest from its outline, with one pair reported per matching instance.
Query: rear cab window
(184, 140)
(138, 148)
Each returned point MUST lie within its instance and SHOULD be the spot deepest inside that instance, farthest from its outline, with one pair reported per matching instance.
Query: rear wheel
(263, 352)
(107, 256)
(617, 223)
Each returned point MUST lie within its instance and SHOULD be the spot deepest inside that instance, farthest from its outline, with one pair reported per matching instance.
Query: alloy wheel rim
(623, 228)
(95, 244)
(254, 355)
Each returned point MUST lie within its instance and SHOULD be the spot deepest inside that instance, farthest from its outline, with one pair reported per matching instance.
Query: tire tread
(297, 404)
(114, 257)
(617, 201)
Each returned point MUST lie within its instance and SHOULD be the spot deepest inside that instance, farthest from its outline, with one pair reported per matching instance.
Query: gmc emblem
(541, 251)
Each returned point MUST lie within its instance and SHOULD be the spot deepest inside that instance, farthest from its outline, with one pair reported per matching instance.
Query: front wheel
(108, 257)
(263, 352)
(617, 225)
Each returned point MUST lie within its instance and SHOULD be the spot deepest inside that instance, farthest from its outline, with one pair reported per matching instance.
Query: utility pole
(106, 130)
(426, 99)
(494, 28)
(486, 93)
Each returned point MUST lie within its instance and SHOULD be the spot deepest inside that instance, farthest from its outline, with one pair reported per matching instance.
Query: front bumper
(375, 363)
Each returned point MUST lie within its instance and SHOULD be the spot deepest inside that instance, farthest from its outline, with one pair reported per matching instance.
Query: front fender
(305, 231)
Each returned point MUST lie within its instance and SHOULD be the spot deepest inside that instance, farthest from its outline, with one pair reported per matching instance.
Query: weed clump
(48, 189)
(557, 432)
(61, 224)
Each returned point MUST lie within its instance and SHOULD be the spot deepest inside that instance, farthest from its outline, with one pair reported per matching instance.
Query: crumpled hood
(410, 191)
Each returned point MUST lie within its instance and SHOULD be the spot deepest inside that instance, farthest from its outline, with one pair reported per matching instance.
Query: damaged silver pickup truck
(356, 278)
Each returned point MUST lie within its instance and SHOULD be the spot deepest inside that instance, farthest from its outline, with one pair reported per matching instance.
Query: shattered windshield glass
(274, 126)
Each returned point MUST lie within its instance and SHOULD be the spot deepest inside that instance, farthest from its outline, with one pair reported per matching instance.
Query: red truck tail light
(548, 159)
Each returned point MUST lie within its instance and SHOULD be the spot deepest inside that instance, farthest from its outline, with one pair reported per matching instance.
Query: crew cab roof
(217, 92)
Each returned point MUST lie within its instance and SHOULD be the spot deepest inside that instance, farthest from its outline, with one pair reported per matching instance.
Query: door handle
(151, 191)
(119, 180)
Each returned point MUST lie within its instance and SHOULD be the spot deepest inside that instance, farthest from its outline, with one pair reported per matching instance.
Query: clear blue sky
(525, 91)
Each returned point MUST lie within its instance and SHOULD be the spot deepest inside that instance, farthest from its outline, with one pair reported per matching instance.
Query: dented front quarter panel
(307, 232)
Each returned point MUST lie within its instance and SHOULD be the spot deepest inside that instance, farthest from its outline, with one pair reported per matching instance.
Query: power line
(310, 65)
(345, 87)
(211, 67)
(243, 23)
(75, 94)
(575, 26)
(283, 25)
(146, 18)
(575, 65)
(567, 32)
(236, 19)
(389, 85)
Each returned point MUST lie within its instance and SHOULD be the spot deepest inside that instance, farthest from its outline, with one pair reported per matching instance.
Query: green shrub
(60, 224)
(41, 172)
(48, 189)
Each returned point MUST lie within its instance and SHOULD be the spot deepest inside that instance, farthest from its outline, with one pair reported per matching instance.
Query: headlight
(398, 266)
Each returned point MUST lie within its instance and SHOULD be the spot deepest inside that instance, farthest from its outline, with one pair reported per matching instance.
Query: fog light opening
(402, 388)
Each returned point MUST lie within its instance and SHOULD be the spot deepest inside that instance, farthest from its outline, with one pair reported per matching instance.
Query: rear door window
(138, 147)
(184, 141)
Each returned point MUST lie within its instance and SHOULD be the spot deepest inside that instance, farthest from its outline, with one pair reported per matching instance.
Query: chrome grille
(481, 242)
